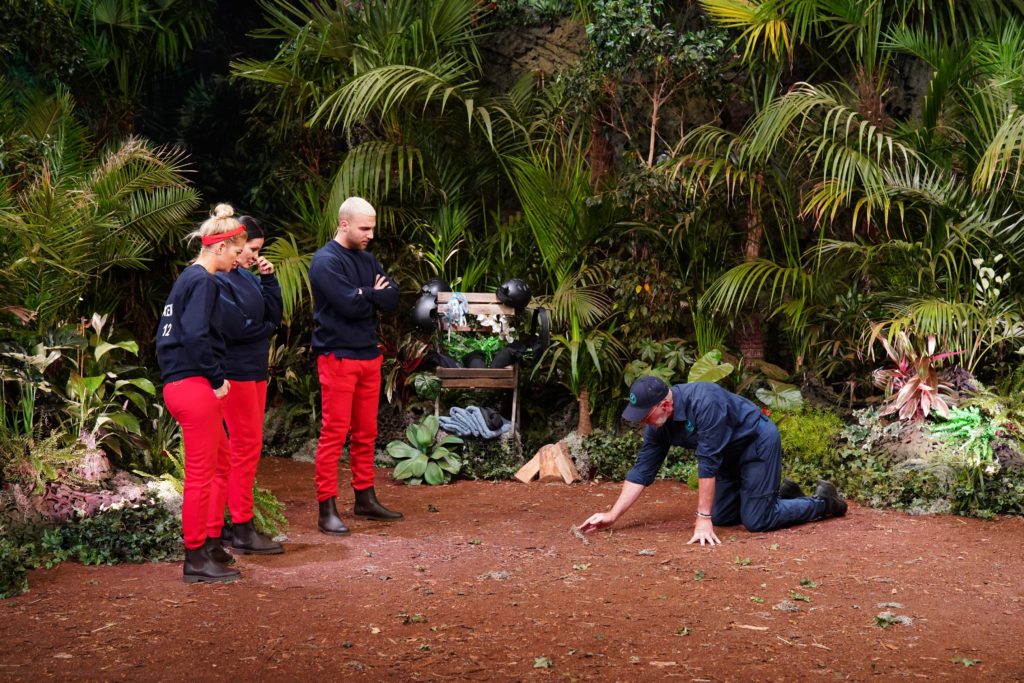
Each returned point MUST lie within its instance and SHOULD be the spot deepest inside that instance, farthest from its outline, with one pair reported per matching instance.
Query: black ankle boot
(199, 566)
(368, 506)
(246, 540)
(330, 522)
(790, 489)
(215, 549)
(835, 506)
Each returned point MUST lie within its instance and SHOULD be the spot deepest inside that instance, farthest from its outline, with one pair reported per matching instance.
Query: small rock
(496, 575)
(786, 606)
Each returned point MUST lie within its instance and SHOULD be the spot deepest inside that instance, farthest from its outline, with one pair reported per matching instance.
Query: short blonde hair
(355, 206)
(222, 219)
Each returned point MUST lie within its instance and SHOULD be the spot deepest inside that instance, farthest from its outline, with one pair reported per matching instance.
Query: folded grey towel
(470, 421)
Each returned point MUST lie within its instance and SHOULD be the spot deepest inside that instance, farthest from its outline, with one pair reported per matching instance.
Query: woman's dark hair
(253, 229)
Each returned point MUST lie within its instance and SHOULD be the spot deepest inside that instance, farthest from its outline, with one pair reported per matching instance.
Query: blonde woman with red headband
(191, 352)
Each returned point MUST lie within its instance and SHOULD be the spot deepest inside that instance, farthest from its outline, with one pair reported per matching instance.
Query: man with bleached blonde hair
(349, 289)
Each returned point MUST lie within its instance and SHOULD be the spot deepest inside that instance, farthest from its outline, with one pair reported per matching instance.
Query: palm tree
(555, 195)
(74, 217)
(903, 208)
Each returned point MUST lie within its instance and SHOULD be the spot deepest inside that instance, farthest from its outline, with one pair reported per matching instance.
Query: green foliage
(709, 368)
(780, 396)
(75, 216)
(490, 459)
(971, 432)
(143, 532)
(421, 459)
(858, 458)
(37, 463)
(16, 560)
(809, 444)
(515, 13)
(267, 512)
(612, 455)
(458, 346)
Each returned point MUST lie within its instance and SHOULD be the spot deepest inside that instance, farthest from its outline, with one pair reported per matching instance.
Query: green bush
(16, 561)
(809, 445)
(491, 459)
(139, 533)
(142, 532)
(611, 456)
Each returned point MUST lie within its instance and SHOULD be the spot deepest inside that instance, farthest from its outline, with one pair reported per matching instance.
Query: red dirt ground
(493, 580)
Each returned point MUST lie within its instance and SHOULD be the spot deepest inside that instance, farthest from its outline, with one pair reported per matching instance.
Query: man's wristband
(703, 515)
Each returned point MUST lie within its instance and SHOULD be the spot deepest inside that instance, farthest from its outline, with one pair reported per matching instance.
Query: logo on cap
(632, 399)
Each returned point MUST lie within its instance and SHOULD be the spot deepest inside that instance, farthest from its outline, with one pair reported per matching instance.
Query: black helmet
(432, 287)
(424, 312)
(514, 293)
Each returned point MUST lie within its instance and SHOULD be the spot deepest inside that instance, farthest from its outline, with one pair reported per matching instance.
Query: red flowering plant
(912, 388)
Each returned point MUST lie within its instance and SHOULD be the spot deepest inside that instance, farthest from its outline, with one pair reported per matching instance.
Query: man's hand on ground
(601, 520)
(704, 532)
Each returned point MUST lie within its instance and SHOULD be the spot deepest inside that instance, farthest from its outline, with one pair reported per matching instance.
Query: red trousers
(350, 391)
(244, 407)
(198, 411)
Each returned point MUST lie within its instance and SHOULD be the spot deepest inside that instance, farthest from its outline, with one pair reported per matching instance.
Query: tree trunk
(583, 426)
(600, 153)
(749, 338)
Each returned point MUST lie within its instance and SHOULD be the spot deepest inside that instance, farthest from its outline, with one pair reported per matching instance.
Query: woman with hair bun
(191, 352)
(251, 313)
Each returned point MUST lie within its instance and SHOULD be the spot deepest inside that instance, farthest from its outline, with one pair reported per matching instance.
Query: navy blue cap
(645, 393)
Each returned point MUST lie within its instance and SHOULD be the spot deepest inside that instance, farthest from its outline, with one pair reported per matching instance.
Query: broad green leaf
(433, 474)
(781, 396)
(450, 441)
(400, 450)
(125, 420)
(404, 470)
(419, 436)
(140, 382)
(92, 384)
(419, 464)
(129, 346)
(708, 368)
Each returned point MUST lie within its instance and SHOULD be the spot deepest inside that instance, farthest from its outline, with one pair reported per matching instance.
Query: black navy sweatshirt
(188, 341)
(345, 304)
(250, 309)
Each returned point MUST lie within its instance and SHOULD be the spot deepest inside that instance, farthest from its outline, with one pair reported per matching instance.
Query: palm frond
(292, 268)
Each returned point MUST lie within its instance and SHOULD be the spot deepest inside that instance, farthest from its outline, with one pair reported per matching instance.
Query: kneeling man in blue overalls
(739, 460)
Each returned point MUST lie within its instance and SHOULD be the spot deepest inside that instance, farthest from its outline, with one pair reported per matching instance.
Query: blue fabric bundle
(470, 421)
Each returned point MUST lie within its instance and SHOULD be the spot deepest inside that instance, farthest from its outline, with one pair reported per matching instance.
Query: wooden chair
(478, 303)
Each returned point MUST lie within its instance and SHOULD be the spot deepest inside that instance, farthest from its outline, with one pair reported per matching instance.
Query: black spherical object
(424, 312)
(514, 293)
(432, 287)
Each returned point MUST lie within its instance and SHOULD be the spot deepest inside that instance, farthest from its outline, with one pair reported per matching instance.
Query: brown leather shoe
(246, 540)
(330, 523)
(368, 506)
(200, 567)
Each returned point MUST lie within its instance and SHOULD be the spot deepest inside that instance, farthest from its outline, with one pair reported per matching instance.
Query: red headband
(214, 239)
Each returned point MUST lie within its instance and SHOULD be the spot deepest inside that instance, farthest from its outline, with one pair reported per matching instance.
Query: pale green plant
(422, 458)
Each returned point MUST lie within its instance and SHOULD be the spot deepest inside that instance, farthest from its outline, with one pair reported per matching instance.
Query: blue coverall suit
(737, 445)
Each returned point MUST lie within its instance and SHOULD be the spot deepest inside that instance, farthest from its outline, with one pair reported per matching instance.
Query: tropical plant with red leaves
(913, 388)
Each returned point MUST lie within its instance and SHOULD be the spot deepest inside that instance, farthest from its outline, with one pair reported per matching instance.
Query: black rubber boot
(835, 506)
(246, 540)
(330, 522)
(368, 506)
(790, 489)
(215, 550)
(199, 566)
